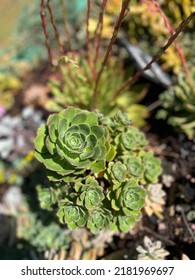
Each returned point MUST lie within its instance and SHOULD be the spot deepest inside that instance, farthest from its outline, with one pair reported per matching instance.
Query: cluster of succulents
(179, 104)
(99, 168)
(151, 250)
(41, 233)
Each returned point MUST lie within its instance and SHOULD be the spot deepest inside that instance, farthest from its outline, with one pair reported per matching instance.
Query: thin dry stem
(87, 31)
(57, 35)
(66, 28)
(99, 35)
(123, 13)
(44, 24)
(187, 225)
(172, 31)
(157, 56)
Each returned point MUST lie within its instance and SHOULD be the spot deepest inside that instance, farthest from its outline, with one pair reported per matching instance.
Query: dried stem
(44, 24)
(187, 225)
(157, 56)
(159, 236)
(172, 31)
(87, 31)
(57, 35)
(122, 15)
(66, 28)
(99, 35)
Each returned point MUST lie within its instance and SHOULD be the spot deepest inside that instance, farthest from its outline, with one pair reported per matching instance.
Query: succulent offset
(151, 250)
(98, 167)
(155, 200)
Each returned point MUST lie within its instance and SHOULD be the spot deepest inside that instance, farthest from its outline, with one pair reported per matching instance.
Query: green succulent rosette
(152, 167)
(125, 223)
(73, 215)
(116, 172)
(128, 196)
(135, 166)
(90, 194)
(99, 219)
(131, 139)
(72, 142)
(47, 197)
(121, 120)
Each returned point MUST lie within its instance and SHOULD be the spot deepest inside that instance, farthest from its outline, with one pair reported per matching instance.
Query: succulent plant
(151, 250)
(80, 92)
(91, 194)
(75, 216)
(148, 19)
(72, 142)
(152, 167)
(179, 104)
(116, 172)
(32, 231)
(99, 219)
(48, 196)
(155, 200)
(128, 196)
(98, 167)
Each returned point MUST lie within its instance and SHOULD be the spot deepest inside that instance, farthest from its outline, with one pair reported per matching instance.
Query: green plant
(99, 167)
(179, 104)
(76, 88)
(155, 200)
(156, 20)
(151, 250)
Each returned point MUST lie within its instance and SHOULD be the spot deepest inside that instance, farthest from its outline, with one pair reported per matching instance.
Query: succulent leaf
(152, 167)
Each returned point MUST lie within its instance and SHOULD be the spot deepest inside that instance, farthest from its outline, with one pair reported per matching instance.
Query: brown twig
(57, 35)
(44, 24)
(123, 13)
(172, 31)
(99, 36)
(66, 28)
(157, 56)
(87, 31)
(186, 224)
(159, 236)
